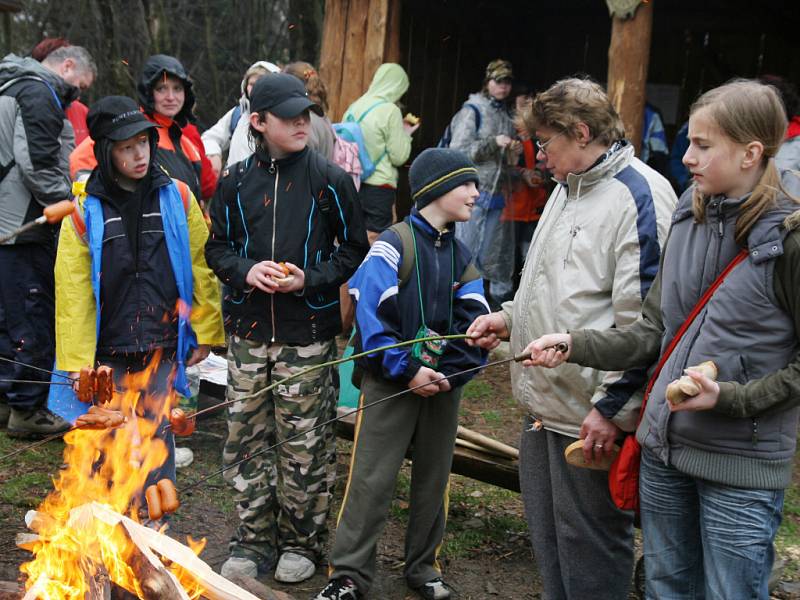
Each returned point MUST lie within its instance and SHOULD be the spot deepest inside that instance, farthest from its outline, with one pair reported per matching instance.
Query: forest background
(216, 40)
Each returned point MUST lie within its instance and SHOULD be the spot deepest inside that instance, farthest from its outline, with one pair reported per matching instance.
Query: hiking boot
(294, 568)
(341, 588)
(435, 589)
(5, 412)
(237, 566)
(38, 422)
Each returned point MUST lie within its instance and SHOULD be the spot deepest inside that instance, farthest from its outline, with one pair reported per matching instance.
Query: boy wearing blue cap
(438, 295)
(286, 233)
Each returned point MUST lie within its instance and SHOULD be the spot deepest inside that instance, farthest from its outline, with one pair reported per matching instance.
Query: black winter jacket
(290, 210)
(138, 294)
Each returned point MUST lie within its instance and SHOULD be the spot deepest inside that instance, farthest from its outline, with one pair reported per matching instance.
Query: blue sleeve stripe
(619, 393)
(646, 225)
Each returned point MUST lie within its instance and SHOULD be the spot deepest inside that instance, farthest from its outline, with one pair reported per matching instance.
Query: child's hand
(262, 276)
(542, 353)
(199, 354)
(294, 281)
(487, 330)
(705, 400)
(423, 376)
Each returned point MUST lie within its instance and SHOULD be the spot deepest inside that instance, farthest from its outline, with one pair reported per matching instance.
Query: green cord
(330, 363)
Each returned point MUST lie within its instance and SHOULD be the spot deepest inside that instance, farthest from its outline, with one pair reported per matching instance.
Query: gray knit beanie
(436, 171)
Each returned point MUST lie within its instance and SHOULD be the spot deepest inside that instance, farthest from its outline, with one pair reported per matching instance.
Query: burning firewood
(154, 581)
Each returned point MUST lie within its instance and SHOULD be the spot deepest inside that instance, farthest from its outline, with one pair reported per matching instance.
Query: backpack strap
(185, 192)
(369, 110)
(403, 231)
(319, 181)
(235, 116)
(477, 112)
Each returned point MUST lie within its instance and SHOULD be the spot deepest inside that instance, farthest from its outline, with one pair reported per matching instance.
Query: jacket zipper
(273, 168)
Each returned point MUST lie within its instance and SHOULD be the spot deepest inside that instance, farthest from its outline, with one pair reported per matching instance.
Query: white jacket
(593, 256)
(218, 138)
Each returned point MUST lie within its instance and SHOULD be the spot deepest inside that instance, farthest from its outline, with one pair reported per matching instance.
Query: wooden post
(628, 59)
(375, 47)
(353, 84)
(331, 55)
(393, 32)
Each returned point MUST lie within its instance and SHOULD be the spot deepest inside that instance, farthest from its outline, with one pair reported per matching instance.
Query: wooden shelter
(444, 45)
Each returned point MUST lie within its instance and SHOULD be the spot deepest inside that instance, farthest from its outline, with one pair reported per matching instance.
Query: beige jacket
(593, 256)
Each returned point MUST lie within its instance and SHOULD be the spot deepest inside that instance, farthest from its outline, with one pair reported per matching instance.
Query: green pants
(282, 496)
(383, 434)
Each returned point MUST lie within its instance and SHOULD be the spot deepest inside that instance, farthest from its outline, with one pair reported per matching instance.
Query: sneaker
(341, 588)
(183, 457)
(294, 568)
(35, 423)
(435, 589)
(237, 566)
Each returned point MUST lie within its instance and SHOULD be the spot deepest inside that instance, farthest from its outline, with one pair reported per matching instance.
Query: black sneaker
(435, 589)
(341, 588)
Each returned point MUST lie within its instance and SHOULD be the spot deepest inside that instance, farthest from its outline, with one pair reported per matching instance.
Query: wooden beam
(353, 84)
(331, 55)
(628, 60)
(491, 445)
(375, 47)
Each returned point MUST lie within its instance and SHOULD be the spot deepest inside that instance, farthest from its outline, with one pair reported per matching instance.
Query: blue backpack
(447, 136)
(237, 114)
(350, 130)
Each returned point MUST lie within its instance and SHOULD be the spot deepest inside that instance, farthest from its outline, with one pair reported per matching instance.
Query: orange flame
(108, 467)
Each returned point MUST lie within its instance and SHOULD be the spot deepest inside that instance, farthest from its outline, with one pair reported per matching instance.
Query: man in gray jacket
(35, 142)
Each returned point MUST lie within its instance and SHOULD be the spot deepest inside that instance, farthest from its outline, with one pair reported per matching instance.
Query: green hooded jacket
(383, 126)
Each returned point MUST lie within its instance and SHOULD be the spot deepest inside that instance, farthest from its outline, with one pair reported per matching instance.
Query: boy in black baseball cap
(132, 286)
(275, 219)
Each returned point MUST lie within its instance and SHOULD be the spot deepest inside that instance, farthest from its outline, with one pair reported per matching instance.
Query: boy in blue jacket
(441, 294)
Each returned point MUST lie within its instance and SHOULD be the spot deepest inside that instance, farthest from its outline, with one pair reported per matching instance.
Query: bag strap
(685, 325)
(403, 231)
(369, 110)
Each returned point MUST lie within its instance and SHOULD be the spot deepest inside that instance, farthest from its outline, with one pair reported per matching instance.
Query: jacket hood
(14, 67)
(259, 64)
(389, 83)
(153, 70)
(102, 181)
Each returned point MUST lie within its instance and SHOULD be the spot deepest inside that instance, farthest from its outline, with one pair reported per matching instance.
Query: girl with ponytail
(715, 466)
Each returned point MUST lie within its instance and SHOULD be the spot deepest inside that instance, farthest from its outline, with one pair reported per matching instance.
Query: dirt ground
(486, 553)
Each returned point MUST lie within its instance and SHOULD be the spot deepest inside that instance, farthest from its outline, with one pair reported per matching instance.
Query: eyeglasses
(543, 147)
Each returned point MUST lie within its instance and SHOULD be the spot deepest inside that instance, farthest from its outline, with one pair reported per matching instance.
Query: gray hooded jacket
(35, 142)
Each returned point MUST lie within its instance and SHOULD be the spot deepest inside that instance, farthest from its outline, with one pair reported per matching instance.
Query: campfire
(89, 540)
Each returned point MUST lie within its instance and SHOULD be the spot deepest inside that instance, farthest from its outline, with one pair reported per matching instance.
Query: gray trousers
(582, 542)
(383, 434)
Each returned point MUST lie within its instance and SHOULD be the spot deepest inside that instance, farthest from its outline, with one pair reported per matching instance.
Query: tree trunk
(628, 60)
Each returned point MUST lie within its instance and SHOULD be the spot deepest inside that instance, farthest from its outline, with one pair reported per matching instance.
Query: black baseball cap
(283, 95)
(116, 118)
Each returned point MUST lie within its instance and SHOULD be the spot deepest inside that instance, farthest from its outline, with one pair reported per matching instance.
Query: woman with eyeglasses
(592, 259)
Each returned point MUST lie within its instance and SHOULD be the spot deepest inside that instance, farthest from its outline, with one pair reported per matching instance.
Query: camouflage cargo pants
(282, 496)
